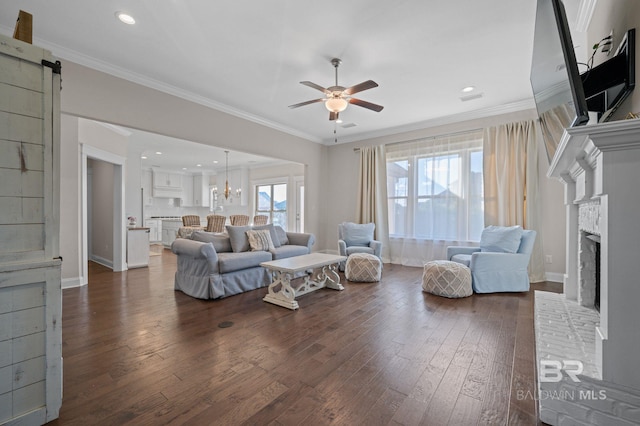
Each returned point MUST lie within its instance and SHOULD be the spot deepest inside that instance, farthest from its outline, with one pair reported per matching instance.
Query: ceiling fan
(339, 97)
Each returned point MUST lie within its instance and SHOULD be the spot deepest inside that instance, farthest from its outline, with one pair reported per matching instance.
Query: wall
(101, 217)
(98, 96)
(343, 164)
(619, 15)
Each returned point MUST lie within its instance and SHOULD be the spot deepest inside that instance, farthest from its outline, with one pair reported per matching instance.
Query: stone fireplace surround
(599, 166)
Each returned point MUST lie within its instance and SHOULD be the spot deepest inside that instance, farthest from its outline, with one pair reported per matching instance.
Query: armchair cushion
(355, 234)
(500, 239)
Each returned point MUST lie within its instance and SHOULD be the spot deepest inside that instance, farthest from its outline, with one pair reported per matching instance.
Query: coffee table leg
(286, 295)
(331, 277)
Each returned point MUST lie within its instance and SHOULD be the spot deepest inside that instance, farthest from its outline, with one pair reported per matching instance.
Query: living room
(328, 167)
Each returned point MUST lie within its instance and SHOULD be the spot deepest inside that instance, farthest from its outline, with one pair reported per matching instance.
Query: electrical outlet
(548, 258)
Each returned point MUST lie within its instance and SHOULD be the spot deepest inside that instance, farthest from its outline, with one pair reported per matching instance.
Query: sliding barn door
(30, 295)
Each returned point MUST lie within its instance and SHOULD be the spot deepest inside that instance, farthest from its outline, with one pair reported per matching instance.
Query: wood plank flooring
(137, 352)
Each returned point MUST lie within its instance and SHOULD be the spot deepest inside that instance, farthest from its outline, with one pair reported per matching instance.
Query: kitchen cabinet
(201, 192)
(187, 192)
(30, 263)
(167, 184)
(155, 229)
(170, 231)
(137, 247)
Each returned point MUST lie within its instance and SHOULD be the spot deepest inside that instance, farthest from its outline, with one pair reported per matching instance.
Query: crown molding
(585, 13)
(64, 53)
(517, 106)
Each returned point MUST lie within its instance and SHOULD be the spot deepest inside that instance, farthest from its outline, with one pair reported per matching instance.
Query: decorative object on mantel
(132, 220)
(632, 115)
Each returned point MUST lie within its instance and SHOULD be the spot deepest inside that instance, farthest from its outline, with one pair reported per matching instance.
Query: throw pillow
(281, 235)
(272, 231)
(238, 238)
(260, 240)
(221, 243)
(501, 239)
(356, 234)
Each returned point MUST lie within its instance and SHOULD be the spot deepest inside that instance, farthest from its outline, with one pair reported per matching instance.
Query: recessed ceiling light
(144, 157)
(158, 152)
(215, 161)
(338, 121)
(125, 18)
(468, 89)
(198, 165)
(184, 168)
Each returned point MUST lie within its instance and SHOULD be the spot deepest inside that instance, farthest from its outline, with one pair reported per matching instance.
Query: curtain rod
(462, 132)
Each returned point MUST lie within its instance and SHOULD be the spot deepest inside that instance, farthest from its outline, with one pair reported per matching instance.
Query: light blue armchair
(497, 266)
(357, 238)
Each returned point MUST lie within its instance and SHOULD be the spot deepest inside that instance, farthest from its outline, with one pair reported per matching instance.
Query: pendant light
(227, 189)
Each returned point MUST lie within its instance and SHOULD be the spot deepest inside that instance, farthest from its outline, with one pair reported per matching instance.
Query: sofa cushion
(238, 237)
(281, 235)
(288, 250)
(501, 239)
(356, 234)
(274, 236)
(230, 262)
(260, 240)
(220, 242)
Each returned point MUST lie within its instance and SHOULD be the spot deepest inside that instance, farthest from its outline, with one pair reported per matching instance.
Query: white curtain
(429, 169)
(372, 194)
(553, 123)
(511, 183)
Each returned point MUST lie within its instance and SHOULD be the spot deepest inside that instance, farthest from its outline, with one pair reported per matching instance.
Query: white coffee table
(284, 270)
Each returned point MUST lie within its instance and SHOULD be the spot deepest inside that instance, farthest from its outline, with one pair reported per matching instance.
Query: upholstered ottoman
(447, 279)
(363, 267)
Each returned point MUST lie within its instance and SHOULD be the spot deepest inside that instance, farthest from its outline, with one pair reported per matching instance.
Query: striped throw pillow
(260, 240)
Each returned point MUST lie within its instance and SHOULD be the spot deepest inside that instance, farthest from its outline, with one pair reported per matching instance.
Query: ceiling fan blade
(316, 86)
(365, 104)
(369, 84)
(307, 103)
(333, 115)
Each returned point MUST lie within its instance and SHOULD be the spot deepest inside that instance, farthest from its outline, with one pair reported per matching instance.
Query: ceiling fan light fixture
(336, 104)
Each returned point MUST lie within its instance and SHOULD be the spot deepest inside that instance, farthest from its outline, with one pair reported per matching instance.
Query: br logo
(551, 370)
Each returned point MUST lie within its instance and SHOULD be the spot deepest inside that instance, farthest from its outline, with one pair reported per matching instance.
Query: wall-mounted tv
(557, 82)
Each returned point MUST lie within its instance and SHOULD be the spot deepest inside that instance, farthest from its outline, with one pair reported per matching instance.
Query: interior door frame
(119, 229)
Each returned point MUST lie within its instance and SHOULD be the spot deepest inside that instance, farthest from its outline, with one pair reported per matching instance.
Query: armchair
(500, 263)
(357, 238)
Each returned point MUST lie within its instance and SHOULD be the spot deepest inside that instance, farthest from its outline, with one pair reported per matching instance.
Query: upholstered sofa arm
(342, 247)
(196, 250)
(503, 262)
(377, 247)
(301, 239)
(453, 250)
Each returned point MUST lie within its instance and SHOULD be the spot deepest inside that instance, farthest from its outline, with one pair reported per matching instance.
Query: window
(435, 188)
(271, 199)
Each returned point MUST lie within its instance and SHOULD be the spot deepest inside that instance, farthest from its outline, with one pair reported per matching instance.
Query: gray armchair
(357, 238)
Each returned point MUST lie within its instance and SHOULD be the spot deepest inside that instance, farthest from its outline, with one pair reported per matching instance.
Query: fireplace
(589, 270)
(590, 332)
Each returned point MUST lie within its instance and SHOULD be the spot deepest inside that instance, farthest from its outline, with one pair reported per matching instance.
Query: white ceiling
(248, 57)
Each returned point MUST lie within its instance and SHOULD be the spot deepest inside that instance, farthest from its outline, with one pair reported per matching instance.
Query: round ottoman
(363, 267)
(447, 279)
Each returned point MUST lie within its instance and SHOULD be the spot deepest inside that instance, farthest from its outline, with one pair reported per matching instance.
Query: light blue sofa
(494, 268)
(213, 266)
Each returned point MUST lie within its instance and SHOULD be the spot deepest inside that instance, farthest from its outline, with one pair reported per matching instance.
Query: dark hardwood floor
(137, 352)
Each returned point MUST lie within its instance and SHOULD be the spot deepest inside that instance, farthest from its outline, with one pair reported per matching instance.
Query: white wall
(98, 96)
(343, 165)
(101, 218)
(619, 16)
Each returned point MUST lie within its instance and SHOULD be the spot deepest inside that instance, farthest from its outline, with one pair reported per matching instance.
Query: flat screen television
(555, 77)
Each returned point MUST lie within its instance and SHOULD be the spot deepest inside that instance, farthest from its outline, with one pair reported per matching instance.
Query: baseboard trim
(555, 277)
(102, 261)
(73, 282)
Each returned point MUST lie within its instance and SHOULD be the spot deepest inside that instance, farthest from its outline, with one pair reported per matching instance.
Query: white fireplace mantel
(601, 163)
